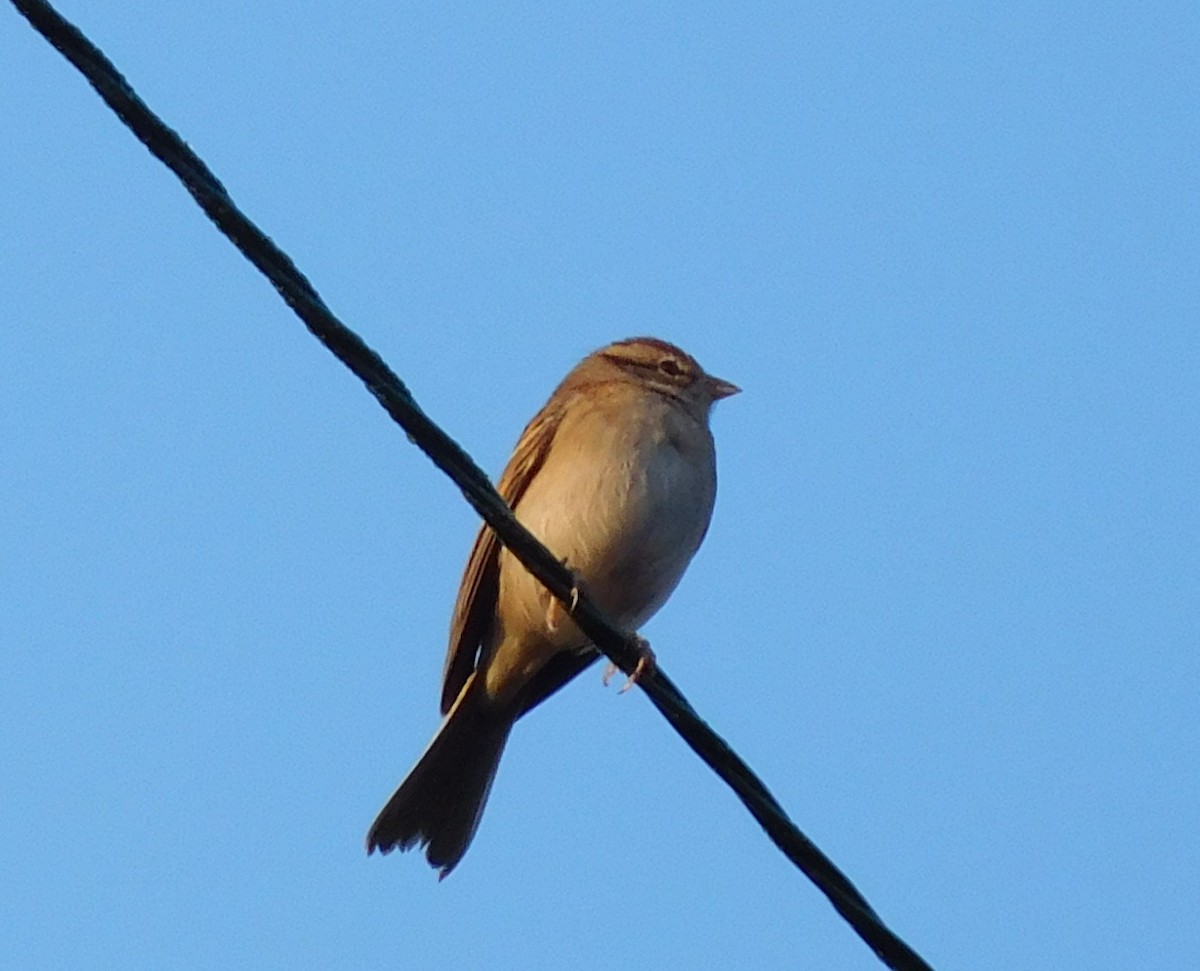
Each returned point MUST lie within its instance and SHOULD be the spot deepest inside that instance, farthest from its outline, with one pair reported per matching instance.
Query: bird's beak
(721, 389)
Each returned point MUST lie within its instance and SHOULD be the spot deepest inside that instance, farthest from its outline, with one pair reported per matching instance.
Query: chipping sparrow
(616, 475)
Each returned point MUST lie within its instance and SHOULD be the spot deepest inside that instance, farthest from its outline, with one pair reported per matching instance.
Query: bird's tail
(440, 801)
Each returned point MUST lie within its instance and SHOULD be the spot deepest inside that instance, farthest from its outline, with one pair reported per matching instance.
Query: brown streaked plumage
(616, 475)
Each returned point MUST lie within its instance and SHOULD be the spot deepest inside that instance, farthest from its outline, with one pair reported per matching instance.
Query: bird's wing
(554, 674)
(476, 605)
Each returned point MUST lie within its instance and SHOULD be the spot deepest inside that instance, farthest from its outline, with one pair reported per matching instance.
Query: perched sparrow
(616, 475)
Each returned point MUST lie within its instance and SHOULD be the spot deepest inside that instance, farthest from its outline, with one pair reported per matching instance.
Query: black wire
(390, 391)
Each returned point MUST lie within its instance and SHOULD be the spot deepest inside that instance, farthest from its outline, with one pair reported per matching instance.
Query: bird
(616, 476)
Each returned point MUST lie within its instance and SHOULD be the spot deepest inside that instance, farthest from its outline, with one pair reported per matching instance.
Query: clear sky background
(949, 606)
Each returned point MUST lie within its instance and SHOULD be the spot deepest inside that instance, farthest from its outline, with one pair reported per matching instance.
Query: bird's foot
(646, 665)
(555, 611)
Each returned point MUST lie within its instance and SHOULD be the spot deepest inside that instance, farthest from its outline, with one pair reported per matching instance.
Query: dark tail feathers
(440, 801)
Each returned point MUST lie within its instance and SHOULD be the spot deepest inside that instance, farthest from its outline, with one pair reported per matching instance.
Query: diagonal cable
(391, 393)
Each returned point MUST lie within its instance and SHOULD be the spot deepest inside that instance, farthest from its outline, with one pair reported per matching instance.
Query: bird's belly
(627, 529)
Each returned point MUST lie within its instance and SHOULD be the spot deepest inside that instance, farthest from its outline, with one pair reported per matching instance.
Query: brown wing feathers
(470, 625)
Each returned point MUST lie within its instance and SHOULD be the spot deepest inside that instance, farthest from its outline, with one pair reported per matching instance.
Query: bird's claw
(555, 610)
(646, 665)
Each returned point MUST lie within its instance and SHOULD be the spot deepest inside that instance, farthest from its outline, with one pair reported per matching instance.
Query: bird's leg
(646, 664)
(555, 612)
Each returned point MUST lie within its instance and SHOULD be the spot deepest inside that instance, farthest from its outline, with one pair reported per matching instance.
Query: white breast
(625, 504)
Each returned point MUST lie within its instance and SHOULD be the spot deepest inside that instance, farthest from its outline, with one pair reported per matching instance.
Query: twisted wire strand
(299, 294)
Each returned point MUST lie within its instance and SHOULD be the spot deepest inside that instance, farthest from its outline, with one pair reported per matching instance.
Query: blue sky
(949, 606)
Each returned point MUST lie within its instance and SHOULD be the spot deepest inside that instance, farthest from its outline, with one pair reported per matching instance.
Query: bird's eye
(668, 365)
